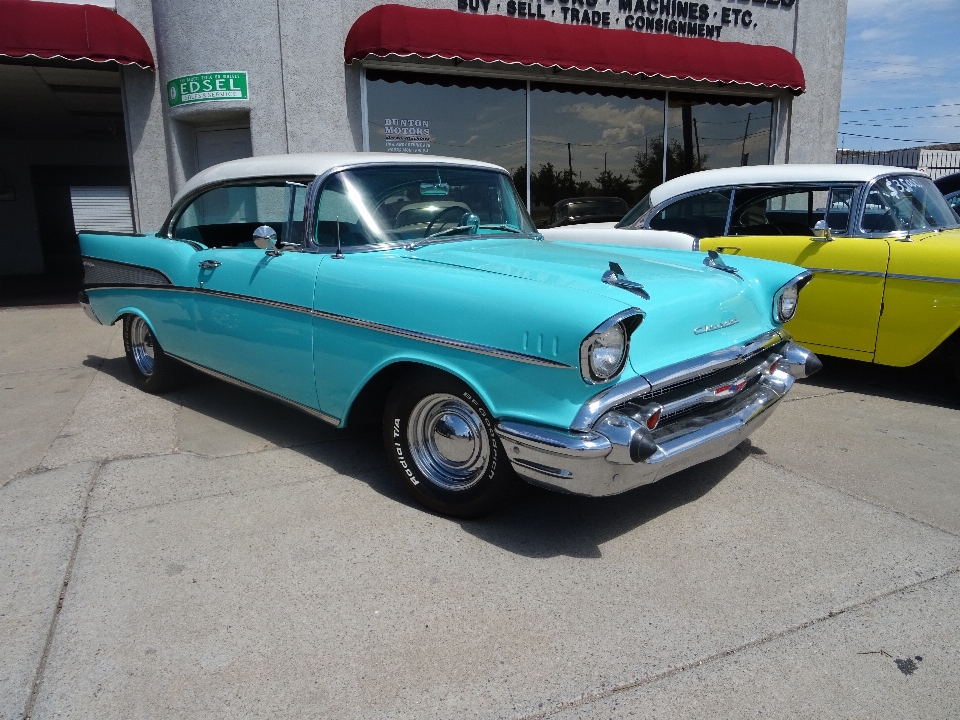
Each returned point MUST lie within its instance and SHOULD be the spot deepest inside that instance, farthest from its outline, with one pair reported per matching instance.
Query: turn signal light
(654, 419)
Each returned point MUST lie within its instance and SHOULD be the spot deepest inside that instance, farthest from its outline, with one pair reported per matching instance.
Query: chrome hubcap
(448, 442)
(142, 346)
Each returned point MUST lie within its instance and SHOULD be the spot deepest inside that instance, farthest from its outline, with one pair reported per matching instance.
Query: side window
(788, 211)
(838, 216)
(225, 217)
(336, 214)
(703, 215)
(954, 202)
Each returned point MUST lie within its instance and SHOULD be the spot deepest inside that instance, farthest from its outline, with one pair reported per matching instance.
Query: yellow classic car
(882, 243)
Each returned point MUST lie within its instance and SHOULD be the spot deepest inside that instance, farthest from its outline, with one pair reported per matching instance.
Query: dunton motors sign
(674, 17)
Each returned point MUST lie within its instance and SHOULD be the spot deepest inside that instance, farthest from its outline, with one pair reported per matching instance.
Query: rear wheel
(441, 442)
(153, 370)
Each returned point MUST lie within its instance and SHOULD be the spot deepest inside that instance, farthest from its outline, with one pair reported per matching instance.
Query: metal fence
(936, 163)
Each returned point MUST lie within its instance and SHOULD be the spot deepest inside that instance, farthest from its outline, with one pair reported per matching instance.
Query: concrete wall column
(142, 112)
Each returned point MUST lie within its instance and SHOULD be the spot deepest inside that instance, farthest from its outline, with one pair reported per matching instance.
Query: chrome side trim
(924, 278)
(861, 273)
(378, 327)
(247, 386)
(672, 375)
(889, 276)
(443, 341)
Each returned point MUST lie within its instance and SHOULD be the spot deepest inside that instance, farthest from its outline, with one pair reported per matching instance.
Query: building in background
(935, 160)
(574, 97)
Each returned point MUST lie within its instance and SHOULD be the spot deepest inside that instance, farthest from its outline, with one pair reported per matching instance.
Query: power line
(910, 117)
(912, 107)
(875, 137)
(932, 67)
(915, 73)
(886, 125)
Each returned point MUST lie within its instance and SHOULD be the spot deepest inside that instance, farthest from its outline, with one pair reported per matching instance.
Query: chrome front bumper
(619, 453)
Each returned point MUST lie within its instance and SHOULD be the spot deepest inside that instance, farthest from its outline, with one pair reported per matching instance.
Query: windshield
(635, 212)
(906, 203)
(411, 203)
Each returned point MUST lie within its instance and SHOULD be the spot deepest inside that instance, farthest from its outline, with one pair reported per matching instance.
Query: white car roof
(774, 174)
(303, 164)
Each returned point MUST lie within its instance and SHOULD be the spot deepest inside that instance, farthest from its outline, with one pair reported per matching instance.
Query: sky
(900, 72)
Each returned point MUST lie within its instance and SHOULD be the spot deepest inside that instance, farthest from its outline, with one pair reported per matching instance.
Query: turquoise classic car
(415, 290)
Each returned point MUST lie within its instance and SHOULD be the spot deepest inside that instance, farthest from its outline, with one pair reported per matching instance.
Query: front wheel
(441, 442)
(153, 370)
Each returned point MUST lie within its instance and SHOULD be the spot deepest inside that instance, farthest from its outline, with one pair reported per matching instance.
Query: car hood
(692, 309)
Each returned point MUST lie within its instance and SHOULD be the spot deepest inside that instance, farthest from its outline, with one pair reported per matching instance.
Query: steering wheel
(455, 208)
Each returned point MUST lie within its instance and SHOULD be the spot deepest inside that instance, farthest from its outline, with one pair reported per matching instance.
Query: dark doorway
(58, 237)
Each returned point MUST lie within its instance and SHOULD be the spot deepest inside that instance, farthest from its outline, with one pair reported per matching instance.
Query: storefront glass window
(447, 115)
(590, 142)
(585, 141)
(716, 132)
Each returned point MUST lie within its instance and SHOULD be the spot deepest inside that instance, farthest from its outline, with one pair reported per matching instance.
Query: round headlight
(787, 303)
(606, 352)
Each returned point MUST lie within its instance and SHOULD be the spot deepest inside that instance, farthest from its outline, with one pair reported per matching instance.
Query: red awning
(405, 31)
(49, 30)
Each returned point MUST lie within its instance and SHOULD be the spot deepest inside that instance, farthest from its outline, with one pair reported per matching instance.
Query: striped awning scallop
(401, 31)
(52, 30)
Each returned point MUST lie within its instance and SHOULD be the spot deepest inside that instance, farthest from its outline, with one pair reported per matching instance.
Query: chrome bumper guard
(87, 310)
(700, 421)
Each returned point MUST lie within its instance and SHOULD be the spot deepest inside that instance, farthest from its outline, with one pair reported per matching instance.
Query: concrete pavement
(213, 554)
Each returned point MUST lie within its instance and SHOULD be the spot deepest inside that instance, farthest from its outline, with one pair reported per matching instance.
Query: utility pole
(696, 135)
(604, 163)
(743, 150)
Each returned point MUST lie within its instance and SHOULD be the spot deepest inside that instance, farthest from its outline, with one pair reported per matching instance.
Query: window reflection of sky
(486, 124)
(720, 130)
(605, 129)
(593, 125)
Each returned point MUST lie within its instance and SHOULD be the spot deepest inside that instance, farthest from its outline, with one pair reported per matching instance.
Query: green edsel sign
(207, 87)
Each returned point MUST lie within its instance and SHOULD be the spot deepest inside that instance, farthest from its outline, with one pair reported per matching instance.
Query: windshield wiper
(508, 228)
(460, 229)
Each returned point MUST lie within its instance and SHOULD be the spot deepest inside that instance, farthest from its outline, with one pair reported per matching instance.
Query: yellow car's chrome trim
(924, 278)
(863, 273)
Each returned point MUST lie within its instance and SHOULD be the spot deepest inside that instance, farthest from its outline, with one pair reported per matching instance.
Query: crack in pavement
(42, 666)
(729, 652)
(843, 491)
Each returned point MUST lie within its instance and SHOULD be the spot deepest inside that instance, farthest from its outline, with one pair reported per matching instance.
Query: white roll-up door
(102, 207)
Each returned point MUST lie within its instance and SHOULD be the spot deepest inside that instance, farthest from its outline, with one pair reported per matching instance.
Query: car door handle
(208, 264)
(724, 248)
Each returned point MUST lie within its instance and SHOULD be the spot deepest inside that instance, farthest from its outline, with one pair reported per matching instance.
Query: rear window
(702, 215)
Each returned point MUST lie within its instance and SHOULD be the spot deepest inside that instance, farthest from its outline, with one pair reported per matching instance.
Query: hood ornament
(618, 278)
(714, 260)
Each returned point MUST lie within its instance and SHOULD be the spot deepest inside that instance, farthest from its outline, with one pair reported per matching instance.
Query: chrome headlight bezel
(626, 322)
(794, 286)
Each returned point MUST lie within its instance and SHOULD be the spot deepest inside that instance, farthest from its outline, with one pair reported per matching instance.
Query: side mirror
(469, 220)
(821, 231)
(265, 238)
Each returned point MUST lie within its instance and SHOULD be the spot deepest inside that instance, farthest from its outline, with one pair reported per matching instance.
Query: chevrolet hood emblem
(719, 326)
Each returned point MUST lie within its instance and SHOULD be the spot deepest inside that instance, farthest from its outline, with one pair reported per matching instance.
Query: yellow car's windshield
(906, 203)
